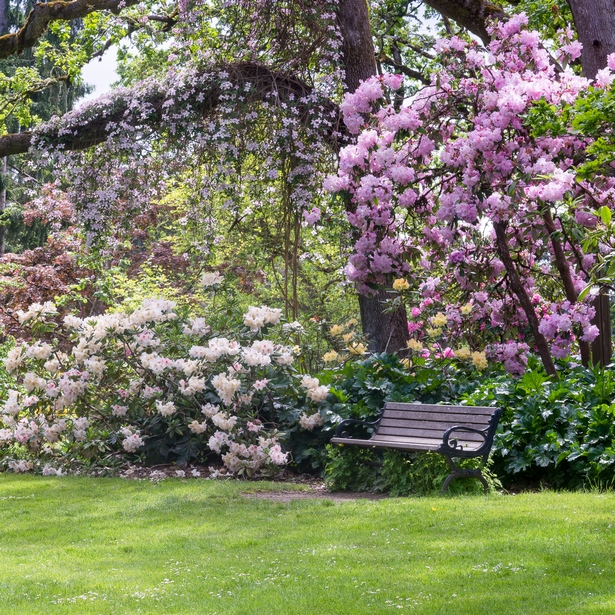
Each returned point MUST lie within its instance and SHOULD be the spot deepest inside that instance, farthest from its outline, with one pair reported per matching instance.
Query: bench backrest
(429, 422)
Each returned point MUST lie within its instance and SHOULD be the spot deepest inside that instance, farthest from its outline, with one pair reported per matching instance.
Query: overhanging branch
(44, 13)
(79, 130)
(470, 14)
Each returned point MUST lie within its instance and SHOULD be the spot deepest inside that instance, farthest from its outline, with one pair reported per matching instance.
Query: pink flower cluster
(431, 180)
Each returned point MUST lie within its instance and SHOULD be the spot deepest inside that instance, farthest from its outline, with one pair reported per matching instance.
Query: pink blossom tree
(457, 191)
(288, 63)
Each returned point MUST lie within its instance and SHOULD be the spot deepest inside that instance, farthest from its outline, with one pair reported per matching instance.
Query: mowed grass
(111, 546)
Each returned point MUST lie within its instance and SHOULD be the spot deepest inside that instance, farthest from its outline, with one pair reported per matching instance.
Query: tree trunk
(386, 332)
(595, 25)
(357, 44)
(601, 347)
(566, 276)
(594, 21)
(4, 17)
(524, 299)
(471, 14)
(2, 205)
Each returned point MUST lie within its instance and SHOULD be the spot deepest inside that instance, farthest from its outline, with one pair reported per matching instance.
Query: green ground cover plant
(96, 546)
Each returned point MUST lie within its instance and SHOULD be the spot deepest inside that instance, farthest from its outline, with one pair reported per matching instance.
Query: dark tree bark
(357, 46)
(386, 331)
(594, 21)
(43, 13)
(4, 17)
(524, 299)
(602, 347)
(470, 14)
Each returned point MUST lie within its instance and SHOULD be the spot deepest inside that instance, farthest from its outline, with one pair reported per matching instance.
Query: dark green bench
(457, 432)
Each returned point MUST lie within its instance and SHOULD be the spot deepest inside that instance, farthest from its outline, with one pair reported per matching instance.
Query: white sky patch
(100, 72)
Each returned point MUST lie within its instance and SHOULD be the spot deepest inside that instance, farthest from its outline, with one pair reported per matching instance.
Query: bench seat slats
(435, 443)
(433, 425)
(438, 409)
(436, 433)
(417, 427)
(452, 418)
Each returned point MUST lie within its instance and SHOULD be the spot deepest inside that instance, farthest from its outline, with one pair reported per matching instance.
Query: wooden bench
(457, 432)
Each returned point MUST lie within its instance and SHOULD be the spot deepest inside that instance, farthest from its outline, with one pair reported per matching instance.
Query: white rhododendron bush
(154, 384)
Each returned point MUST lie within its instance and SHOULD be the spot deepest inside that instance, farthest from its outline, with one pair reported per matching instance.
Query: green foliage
(352, 468)
(546, 16)
(561, 433)
(361, 388)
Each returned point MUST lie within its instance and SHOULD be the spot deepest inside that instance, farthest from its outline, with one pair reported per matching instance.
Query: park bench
(457, 432)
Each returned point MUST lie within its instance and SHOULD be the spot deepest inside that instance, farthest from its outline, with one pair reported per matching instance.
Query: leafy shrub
(351, 468)
(560, 433)
(156, 384)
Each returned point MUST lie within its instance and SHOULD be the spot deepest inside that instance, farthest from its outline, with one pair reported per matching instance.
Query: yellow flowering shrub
(439, 320)
(400, 284)
(331, 356)
(414, 345)
(336, 330)
(466, 309)
(479, 360)
(357, 348)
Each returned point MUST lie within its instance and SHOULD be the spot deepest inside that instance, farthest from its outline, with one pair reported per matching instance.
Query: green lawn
(80, 546)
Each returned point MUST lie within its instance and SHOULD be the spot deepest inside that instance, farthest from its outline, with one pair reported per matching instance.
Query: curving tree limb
(204, 99)
(44, 13)
(470, 14)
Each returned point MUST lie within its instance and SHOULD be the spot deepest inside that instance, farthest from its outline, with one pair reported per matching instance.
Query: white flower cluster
(14, 359)
(194, 385)
(312, 421)
(315, 392)
(257, 317)
(132, 441)
(11, 405)
(223, 421)
(20, 466)
(196, 326)
(211, 278)
(49, 470)
(196, 427)
(39, 350)
(165, 409)
(226, 387)
(153, 310)
(36, 312)
(293, 327)
(126, 366)
(216, 348)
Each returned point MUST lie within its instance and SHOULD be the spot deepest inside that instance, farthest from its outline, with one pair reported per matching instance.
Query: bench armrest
(450, 446)
(341, 433)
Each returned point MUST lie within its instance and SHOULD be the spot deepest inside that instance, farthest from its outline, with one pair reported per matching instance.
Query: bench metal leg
(458, 472)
